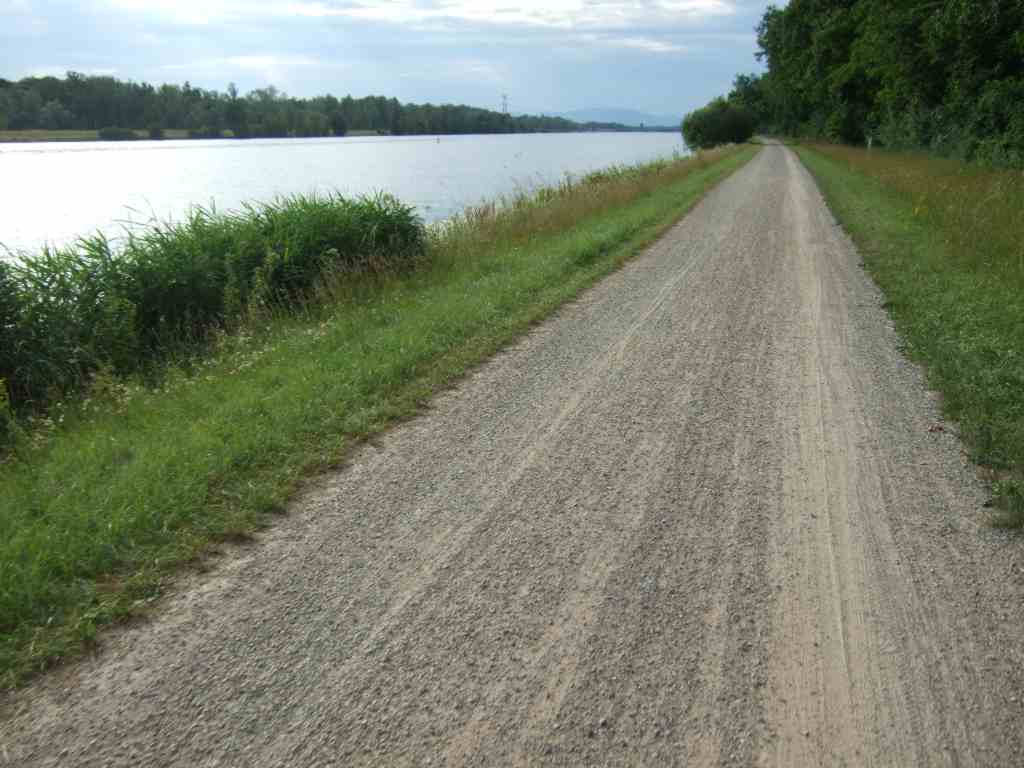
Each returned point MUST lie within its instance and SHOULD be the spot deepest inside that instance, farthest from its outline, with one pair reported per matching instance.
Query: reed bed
(66, 313)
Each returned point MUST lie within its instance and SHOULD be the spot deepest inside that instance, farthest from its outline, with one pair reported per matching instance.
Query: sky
(658, 56)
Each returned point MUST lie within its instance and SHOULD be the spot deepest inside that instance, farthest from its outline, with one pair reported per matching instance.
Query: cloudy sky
(661, 56)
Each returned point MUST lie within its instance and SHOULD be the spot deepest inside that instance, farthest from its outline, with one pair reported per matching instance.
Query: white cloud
(268, 62)
(648, 44)
(58, 70)
(629, 19)
(558, 14)
(473, 70)
(201, 12)
(276, 69)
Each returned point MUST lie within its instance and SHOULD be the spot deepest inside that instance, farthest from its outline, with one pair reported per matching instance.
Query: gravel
(699, 517)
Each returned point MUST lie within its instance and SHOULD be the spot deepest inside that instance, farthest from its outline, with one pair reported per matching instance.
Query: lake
(54, 192)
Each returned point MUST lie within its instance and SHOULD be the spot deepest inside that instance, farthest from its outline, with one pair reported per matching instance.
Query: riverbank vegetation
(105, 493)
(69, 312)
(945, 76)
(80, 102)
(945, 242)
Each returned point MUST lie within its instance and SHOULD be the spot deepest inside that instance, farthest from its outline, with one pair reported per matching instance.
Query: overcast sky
(661, 56)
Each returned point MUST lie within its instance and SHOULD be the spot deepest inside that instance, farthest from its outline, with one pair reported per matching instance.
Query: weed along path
(700, 517)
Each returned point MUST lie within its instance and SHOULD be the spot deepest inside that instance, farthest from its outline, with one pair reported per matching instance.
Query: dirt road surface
(701, 517)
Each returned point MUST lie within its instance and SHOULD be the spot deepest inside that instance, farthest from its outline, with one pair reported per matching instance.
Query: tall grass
(114, 489)
(66, 313)
(514, 220)
(945, 241)
(978, 210)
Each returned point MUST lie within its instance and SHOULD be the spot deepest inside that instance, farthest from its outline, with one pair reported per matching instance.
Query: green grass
(110, 494)
(40, 134)
(945, 242)
(45, 135)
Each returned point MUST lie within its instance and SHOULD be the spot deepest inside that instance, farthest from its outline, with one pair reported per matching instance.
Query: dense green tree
(748, 92)
(945, 75)
(86, 102)
(720, 122)
(235, 113)
(53, 116)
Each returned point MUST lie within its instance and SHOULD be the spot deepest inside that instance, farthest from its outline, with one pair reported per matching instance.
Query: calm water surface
(51, 193)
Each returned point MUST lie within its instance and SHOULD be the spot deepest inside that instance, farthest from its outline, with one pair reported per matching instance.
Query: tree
(54, 117)
(748, 92)
(235, 113)
(338, 125)
(945, 75)
(720, 122)
(87, 102)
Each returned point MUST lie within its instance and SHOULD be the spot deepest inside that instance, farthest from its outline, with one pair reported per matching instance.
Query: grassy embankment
(945, 242)
(110, 492)
(44, 135)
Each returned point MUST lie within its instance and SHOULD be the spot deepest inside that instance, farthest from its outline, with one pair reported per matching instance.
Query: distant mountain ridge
(630, 117)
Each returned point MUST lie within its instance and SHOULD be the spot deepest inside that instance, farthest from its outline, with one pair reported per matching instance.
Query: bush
(113, 133)
(720, 122)
(155, 132)
(67, 312)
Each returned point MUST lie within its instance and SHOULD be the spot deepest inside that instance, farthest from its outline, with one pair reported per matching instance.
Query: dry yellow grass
(979, 210)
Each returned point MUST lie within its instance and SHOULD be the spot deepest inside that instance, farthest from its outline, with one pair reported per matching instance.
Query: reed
(96, 305)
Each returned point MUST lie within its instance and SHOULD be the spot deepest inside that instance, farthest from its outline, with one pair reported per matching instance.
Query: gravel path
(703, 516)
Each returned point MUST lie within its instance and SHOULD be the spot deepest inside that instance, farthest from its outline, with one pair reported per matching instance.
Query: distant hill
(630, 117)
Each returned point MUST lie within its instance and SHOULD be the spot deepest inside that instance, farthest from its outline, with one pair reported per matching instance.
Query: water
(52, 193)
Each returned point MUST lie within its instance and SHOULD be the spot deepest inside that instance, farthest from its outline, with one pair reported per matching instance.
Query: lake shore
(169, 134)
(178, 134)
(57, 191)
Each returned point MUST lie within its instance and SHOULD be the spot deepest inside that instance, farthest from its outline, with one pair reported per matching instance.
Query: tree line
(84, 102)
(941, 75)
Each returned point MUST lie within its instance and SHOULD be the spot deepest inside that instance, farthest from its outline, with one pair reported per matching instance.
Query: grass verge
(945, 242)
(124, 486)
(40, 134)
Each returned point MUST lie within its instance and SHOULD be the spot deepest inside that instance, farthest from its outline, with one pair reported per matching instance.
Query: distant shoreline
(180, 134)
